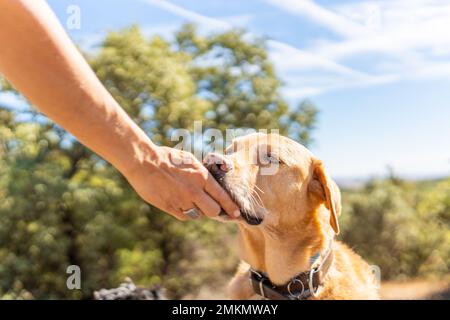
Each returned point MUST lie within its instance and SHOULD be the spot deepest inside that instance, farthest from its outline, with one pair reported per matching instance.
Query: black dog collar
(301, 287)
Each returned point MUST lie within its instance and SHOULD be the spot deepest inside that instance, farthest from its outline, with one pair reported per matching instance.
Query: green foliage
(401, 227)
(62, 205)
(150, 81)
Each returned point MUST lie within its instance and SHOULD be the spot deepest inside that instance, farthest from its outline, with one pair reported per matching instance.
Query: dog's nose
(217, 164)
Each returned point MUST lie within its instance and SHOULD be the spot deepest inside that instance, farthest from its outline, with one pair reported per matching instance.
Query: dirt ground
(410, 290)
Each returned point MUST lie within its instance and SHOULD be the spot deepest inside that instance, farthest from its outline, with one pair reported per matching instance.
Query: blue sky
(378, 70)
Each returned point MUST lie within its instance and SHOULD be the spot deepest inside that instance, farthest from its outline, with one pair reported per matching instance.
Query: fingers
(207, 205)
(183, 187)
(213, 188)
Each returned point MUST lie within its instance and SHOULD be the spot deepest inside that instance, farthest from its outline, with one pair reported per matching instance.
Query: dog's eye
(273, 159)
(267, 158)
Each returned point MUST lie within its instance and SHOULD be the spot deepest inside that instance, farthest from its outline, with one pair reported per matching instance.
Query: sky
(378, 70)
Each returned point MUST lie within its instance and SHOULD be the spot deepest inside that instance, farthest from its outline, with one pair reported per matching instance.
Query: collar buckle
(311, 282)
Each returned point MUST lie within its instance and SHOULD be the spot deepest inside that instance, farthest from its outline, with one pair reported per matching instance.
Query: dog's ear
(326, 190)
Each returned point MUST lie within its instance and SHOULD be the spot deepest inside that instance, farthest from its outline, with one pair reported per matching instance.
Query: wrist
(144, 154)
(122, 142)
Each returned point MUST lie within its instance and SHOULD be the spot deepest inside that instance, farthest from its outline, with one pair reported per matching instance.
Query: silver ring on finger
(193, 213)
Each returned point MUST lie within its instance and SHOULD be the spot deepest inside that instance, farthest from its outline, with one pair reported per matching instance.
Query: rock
(129, 291)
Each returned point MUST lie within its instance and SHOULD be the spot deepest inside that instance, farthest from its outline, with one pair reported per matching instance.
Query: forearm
(39, 59)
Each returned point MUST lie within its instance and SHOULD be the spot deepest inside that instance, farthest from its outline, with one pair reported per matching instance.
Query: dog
(289, 219)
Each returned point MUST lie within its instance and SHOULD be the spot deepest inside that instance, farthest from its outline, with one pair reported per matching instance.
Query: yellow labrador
(290, 210)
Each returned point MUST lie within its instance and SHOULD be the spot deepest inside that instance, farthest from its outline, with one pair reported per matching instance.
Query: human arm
(39, 59)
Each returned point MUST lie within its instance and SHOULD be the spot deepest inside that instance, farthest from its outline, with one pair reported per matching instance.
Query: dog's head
(276, 182)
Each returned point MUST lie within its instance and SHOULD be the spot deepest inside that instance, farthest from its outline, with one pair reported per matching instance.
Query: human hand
(175, 181)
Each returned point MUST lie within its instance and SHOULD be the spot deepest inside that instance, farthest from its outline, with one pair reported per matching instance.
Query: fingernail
(237, 213)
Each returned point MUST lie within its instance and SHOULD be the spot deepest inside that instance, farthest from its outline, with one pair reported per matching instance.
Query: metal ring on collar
(311, 284)
(257, 273)
(289, 289)
(261, 288)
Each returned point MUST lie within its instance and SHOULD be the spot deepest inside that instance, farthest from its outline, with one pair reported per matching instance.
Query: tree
(401, 227)
(62, 205)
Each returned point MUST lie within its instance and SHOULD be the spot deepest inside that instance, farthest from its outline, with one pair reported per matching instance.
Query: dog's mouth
(250, 218)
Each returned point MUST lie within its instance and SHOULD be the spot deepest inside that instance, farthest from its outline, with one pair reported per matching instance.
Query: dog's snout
(217, 164)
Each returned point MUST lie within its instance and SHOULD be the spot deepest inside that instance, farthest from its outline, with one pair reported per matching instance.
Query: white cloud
(307, 86)
(289, 60)
(396, 35)
(411, 38)
(397, 39)
(307, 74)
(311, 10)
(407, 35)
(238, 21)
(210, 23)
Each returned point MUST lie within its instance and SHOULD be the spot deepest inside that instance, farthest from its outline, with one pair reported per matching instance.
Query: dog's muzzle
(218, 165)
